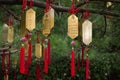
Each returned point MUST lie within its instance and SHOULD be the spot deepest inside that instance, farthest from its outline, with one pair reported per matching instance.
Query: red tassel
(26, 68)
(72, 64)
(79, 62)
(87, 68)
(3, 60)
(83, 55)
(15, 74)
(8, 61)
(30, 52)
(22, 60)
(49, 58)
(5, 72)
(46, 60)
(38, 76)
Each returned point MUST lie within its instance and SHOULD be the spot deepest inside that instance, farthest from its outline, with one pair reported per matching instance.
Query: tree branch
(63, 9)
(10, 12)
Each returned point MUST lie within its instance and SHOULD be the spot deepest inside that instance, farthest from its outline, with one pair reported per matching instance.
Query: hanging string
(5, 18)
(31, 4)
(24, 4)
(86, 14)
(72, 60)
(47, 6)
(73, 10)
(10, 21)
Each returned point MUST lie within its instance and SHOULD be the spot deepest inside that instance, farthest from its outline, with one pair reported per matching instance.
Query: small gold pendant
(38, 50)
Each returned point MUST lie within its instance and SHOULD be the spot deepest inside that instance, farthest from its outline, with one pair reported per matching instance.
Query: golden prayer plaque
(51, 12)
(46, 24)
(38, 50)
(10, 34)
(5, 32)
(30, 19)
(72, 26)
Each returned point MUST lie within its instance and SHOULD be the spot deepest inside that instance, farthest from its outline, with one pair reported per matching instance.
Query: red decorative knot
(47, 6)
(31, 3)
(24, 4)
(86, 14)
(73, 9)
(26, 37)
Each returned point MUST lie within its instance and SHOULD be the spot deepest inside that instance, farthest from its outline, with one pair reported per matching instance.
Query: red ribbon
(38, 76)
(24, 4)
(87, 68)
(22, 60)
(46, 60)
(72, 64)
(30, 52)
(73, 10)
(49, 58)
